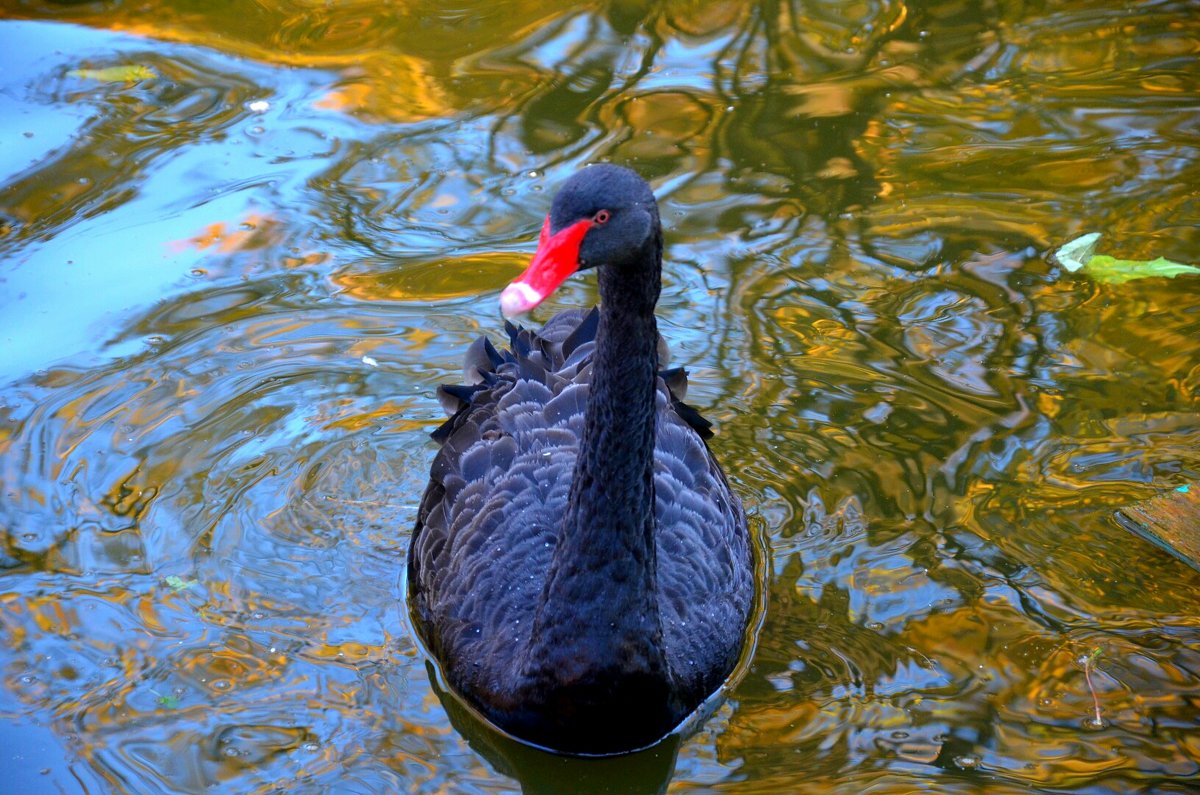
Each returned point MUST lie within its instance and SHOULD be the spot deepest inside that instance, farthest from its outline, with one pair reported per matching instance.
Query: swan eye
(601, 217)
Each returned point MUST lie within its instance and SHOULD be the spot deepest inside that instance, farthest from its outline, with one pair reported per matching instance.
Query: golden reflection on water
(230, 287)
(450, 278)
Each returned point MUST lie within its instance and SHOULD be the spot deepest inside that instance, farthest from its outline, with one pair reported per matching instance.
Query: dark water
(230, 283)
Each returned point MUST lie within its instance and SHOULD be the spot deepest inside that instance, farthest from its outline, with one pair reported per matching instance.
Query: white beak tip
(519, 298)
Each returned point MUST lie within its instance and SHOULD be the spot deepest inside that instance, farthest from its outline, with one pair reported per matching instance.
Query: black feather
(580, 567)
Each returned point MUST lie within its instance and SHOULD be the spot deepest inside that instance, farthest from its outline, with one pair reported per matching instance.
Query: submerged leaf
(115, 74)
(1079, 255)
(170, 702)
(180, 584)
(1117, 271)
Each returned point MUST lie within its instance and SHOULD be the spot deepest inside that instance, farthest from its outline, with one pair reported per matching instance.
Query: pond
(242, 243)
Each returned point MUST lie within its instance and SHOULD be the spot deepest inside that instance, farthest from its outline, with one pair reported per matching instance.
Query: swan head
(604, 215)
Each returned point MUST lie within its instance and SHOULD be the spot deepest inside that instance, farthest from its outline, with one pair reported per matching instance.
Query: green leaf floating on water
(1079, 255)
(1073, 255)
(115, 74)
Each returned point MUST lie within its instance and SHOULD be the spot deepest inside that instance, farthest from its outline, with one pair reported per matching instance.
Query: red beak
(557, 257)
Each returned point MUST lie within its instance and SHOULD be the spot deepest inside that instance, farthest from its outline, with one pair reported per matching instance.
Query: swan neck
(599, 614)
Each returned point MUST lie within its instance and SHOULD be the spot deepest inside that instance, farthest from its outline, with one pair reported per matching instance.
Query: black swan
(580, 567)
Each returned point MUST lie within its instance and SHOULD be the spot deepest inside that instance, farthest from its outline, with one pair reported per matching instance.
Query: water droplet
(967, 761)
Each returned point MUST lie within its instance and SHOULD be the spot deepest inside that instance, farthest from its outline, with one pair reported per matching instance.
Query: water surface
(241, 243)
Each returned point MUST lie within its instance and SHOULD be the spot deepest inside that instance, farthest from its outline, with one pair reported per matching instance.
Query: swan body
(580, 567)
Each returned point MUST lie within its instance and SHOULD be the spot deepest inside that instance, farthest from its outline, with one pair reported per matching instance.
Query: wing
(498, 489)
